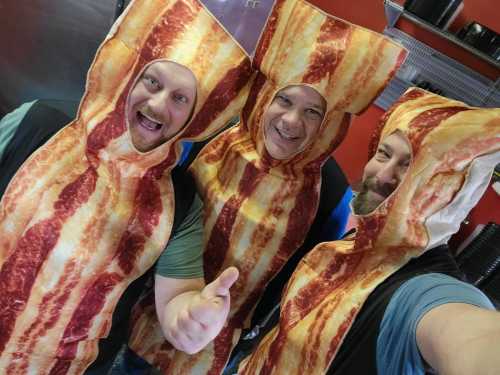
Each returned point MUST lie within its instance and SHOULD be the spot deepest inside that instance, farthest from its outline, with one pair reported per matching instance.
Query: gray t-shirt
(182, 258)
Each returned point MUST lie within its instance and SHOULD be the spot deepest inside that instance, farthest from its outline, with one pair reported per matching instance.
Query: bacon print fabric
(87, 213)
(455, 148)
(258, 210)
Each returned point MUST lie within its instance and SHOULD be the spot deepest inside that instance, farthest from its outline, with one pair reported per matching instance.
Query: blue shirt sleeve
(334, 227)
(397, 350)
(186, 149)
(10, 122)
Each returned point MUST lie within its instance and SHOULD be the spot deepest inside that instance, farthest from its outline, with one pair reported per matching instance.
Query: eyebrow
(385, 147)
(389, 149)
(150, 68)
(317, 107)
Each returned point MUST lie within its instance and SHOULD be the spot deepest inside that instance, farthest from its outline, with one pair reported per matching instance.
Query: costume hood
(455, 148)
(258, 210)
(87, 213)
(345, 63)
(183, 32)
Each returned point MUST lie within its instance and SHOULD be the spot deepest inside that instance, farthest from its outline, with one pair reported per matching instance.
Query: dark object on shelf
(482, 38)
(429, 87)
(480, 260)
(437, 12)
(496, 173)
(491, 288)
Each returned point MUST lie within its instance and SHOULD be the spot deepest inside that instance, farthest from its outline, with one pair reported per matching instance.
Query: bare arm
(191, 314)
(457, 338)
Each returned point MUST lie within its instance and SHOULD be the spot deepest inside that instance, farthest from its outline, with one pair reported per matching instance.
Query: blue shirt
(334, 227)
(397, 350)
(10, 122)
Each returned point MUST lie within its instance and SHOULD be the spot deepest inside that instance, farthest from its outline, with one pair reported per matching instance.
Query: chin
(140, 147)
(275, 152)
(277, 155)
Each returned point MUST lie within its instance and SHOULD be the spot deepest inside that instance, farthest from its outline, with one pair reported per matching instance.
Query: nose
(389, 175)
(159, 104)
(291, 118)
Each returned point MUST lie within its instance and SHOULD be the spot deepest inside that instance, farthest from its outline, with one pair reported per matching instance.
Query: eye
(283, 100)
(179, 98)
(150, 82)
(314, 114)
(382, 154)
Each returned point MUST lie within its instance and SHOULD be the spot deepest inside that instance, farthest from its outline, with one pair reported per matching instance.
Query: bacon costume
(87, 213)
(455, 148)
(259, 210)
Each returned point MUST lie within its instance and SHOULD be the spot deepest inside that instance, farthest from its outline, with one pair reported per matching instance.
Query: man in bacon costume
(92, 209)
(353, 306)
(260, 201)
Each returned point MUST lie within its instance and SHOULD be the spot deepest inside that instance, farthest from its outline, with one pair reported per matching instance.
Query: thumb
(220, 286)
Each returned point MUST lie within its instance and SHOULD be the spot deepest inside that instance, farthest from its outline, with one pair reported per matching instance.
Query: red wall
(352, 154)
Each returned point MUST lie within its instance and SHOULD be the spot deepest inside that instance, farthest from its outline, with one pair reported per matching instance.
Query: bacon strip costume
(87, 213)
(455, 148)
(258, 210)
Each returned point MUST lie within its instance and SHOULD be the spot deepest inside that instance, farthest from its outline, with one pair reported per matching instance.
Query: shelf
(446, 76)
(394, 11)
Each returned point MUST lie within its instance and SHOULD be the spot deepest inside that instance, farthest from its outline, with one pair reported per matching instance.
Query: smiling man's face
(292, 121)
(383, 173)
(160, 104)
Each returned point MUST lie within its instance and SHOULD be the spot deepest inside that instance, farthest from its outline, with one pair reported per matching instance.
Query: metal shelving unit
(393, 11)
(445, 75)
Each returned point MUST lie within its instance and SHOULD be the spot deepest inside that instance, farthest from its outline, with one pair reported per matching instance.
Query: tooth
(150, 118)
(287, 136)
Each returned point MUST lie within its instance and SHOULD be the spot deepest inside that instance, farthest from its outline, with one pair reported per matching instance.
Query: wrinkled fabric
(455, 148)
(87, 213)
(258, 210)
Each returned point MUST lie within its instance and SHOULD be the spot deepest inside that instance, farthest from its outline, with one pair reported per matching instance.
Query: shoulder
(432, 289)
(397, 347)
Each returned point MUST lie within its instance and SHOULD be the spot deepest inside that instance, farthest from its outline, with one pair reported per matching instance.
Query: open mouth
(285, 136)
(148, 123)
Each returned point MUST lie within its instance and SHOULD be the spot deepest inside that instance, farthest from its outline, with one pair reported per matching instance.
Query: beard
(365, 202)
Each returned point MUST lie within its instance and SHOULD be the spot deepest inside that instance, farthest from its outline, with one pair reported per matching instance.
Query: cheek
(266, 122)
(180, 116)
(371, 169)
(137, 97)
(132, 106)
(187, 113)
(273, 111)
(401, 173)
(312, 131)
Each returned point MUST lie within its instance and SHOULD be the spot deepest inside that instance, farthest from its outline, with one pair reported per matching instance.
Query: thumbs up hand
(203, 315)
